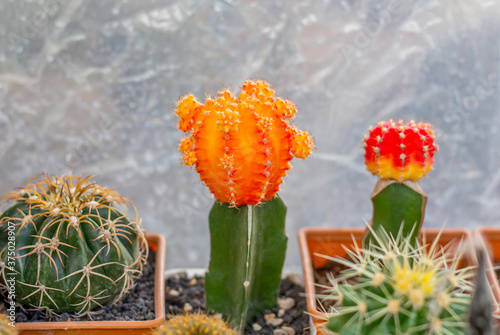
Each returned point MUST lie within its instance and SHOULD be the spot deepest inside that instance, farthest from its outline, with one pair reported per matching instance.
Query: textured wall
(90, 86)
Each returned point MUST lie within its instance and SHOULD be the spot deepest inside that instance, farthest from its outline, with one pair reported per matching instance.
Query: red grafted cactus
(400, 154)
(241, 146)
(400, 151)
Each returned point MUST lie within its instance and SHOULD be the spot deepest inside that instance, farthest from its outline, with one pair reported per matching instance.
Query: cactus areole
(399, 154)
(72, 243)
(241, 147)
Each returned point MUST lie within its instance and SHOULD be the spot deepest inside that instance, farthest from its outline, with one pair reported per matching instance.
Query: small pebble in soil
(269, 316)
(274, 322)
(187, 307)
(256, 327)
(138, 305)
(286, 303)
(173, 293)
(288, 318)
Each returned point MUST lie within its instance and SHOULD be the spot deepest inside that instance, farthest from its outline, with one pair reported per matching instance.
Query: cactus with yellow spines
(6, 326)
(401, 289)
(194, 324)
(76, 248)
(399, 154)
(241, 147)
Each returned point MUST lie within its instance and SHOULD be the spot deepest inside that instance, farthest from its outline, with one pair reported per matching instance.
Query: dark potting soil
(137, 305)
(184, 295)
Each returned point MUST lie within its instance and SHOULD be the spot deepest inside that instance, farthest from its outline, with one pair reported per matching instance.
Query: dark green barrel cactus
(70, 245)
(399, 154)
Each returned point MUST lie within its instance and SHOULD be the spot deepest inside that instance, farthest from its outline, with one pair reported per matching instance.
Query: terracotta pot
(156, 243)
(327, 241)
(489, 239)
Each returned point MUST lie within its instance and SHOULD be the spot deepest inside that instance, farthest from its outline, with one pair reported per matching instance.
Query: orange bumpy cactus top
(241, 146)
(395, 150)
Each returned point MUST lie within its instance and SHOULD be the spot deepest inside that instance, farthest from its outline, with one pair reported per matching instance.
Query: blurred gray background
(90, 86)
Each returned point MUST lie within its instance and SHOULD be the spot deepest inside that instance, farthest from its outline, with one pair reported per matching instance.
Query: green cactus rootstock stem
(396, 204)
(248, 247)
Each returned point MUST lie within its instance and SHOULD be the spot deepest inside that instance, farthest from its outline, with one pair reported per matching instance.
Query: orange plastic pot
(326, 241)
(156, 243)
(489, 239)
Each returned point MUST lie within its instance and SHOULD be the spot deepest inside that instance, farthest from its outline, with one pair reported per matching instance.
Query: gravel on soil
(187, 295)
(138, 305)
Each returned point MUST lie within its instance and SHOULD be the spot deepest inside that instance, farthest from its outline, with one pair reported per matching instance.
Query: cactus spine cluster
(74, 246)
(399, 154)
(401, 289)
(241, 147)
(194, 324)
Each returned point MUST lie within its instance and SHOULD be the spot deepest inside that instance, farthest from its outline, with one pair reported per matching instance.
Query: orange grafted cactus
(400, 151)
(241, 146)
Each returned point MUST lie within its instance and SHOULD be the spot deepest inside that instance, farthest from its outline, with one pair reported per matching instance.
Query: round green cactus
(195, 324)
(401, 289)
(70, 245)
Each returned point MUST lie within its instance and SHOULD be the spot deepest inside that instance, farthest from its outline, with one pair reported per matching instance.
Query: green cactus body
(195, 324)
(397, 288)
(398, 207)
(248, 247)
(73, 245)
